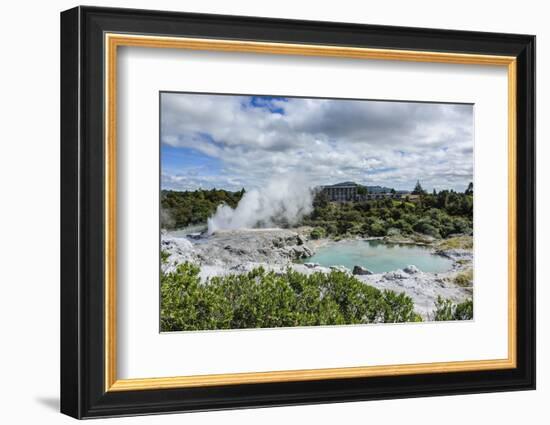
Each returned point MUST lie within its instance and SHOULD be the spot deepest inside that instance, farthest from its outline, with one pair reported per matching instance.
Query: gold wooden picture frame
(113, 29)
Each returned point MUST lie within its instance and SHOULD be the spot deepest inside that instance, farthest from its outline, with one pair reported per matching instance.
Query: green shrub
(317, 233)
(464, 311)
(164, 255)
(261, 299)
(377, 229)
(426, 227)
(404, 226)
(397, 308)
(445, 309)
(462, 225)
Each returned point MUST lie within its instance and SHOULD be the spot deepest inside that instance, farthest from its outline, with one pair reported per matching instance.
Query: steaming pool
(379, 257)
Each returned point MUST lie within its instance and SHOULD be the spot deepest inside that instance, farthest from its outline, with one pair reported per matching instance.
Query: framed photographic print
(261, 212)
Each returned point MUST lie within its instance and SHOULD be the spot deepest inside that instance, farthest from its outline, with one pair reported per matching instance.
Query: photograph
(281, 211)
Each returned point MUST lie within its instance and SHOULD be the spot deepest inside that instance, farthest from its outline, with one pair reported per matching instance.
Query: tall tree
(470, 189)
(418, 190)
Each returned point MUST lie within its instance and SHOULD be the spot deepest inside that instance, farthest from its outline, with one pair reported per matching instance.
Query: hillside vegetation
(437, 215)
(180, 209)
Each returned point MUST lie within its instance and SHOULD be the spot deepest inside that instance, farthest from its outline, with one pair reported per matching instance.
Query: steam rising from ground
(283, 202)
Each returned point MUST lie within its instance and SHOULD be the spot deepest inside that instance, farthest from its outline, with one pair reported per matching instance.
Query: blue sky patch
(187, 160)
(266, 102)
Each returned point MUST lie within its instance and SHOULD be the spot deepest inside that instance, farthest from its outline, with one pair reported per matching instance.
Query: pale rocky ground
(239, 251)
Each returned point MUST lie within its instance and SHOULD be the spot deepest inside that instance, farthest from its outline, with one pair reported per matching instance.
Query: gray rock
(299, 252)
(339, 269)
(243, 268)
(411, 269)
(278, 243)
(311, 265)
(233, 247)
(359, 270)
(398, 274)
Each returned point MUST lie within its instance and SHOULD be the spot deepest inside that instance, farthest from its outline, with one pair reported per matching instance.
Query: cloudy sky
(232, 142)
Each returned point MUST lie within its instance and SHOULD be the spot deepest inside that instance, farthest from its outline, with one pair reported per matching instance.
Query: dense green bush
(426, 227)
(180, 209)
(261, 299)
(317, 233)
(446, 310)
(464, 311)
(377, 228)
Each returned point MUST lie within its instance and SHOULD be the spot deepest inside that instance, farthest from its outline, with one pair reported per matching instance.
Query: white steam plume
(284, 201)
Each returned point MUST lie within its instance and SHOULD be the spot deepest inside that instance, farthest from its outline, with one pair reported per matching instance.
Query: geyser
(283, 202)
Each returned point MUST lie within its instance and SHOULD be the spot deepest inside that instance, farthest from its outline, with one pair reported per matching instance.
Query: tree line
(181, 209)
(437, 214)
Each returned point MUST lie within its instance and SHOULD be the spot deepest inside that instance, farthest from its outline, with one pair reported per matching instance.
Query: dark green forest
(180, 209)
